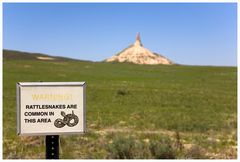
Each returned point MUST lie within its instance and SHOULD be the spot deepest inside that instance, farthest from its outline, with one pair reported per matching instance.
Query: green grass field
(133, 111)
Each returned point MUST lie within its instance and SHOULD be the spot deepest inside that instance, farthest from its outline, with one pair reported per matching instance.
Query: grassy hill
(133, 111)
(19, 55)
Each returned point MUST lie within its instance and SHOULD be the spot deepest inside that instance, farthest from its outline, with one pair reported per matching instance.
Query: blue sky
(187, 33)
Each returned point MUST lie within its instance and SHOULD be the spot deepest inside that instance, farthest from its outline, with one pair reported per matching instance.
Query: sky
(186, 33)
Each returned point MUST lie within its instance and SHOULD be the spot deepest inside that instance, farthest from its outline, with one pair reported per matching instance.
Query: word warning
(50, 108)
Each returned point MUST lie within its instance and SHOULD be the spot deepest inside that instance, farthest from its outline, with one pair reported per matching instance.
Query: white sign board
(50, 108)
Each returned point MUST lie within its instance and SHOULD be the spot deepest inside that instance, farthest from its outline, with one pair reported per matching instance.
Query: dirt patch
(127, 130)
(45, 58)
(27, 66)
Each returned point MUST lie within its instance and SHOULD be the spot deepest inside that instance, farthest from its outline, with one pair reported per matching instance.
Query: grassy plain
(133, 111)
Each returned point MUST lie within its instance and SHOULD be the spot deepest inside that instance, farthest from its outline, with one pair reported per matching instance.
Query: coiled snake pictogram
(70, 120)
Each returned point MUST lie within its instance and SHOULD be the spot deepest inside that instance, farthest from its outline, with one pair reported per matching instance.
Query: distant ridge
(137, 54)
(20, 55)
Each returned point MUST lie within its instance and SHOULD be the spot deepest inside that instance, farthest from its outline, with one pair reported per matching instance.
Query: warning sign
(50, 108)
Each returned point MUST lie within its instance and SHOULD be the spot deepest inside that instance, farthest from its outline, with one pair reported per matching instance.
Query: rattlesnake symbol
(70, 120)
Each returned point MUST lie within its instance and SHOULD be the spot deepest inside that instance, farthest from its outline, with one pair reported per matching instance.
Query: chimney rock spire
(137, 54)
(138, 40)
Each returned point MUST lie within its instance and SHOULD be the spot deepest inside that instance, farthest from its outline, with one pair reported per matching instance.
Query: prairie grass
(198, 102)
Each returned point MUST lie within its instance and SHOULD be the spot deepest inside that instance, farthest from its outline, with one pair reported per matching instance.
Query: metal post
(52, 147)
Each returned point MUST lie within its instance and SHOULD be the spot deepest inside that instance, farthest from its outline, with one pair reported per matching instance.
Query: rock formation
(137, 54)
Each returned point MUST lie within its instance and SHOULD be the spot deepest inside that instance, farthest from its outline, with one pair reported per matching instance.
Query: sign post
(52, 147)
(51, 109)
